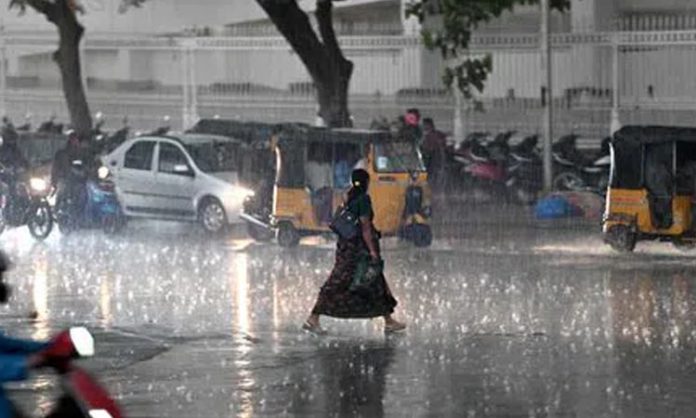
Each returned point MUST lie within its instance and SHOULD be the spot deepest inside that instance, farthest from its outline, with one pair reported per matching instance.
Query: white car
(188, 177)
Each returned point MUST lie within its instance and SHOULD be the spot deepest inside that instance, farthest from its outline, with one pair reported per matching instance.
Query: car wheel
(212, 216)
(287, 235)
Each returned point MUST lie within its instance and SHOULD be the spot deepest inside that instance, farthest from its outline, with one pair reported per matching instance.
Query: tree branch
(44, 7)
(293, 24)
(324, 15)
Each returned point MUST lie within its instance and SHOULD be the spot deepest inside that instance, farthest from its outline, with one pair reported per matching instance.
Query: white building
(386, 61)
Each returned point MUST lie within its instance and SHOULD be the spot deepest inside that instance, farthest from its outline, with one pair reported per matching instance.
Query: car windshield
(214, 157)
(398, 157)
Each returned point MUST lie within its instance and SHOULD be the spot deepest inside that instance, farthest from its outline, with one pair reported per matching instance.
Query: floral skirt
(335, 299)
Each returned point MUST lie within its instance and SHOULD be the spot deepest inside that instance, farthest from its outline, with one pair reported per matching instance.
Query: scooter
(82, 396)
(575, 172)
(416, 216)
(24, 203)
(89, 202)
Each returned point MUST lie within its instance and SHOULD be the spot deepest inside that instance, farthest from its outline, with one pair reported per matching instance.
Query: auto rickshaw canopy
(641, 153)
(294, 141)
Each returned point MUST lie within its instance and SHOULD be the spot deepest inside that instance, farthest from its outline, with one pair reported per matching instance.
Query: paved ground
(506, 319)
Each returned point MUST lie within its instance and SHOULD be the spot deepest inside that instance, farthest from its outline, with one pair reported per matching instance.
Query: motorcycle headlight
(99, 413)
(103, 173)
(38, 184)
(83, 341)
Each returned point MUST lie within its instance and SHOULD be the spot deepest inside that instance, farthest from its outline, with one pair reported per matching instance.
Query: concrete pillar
(593, 15)
(122, 69)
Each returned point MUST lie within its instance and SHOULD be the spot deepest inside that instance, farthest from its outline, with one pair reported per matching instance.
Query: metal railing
(631, 76)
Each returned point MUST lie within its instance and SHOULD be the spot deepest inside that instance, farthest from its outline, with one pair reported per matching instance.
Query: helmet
(73, 137)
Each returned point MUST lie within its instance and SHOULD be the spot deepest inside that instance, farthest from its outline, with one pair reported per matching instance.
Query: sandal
(395, 327)
(314, 329)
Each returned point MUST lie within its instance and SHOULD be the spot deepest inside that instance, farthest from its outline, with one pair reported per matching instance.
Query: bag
(345, 224)
(367, 271)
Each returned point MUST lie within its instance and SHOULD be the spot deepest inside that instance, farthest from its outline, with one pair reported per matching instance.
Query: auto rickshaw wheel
(287, 235)
(621, 238)
(258, 233)
(422, 236)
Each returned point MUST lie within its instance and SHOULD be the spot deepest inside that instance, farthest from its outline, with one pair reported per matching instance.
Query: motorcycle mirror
(82, 341)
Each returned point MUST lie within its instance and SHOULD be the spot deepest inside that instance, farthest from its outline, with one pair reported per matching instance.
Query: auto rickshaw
(313, 173)
(652, 187)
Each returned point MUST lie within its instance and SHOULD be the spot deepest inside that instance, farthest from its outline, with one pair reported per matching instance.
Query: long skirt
(335, 299)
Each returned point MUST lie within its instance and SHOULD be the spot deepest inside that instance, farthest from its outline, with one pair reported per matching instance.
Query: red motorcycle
(483, 167)
(82, 395)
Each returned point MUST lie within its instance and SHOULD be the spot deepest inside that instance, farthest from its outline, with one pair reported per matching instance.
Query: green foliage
(458, 18)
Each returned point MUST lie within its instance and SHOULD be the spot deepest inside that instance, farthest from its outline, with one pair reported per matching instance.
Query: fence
(646, 77)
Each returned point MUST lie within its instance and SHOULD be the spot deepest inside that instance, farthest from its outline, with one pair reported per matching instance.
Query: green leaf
(452, 37)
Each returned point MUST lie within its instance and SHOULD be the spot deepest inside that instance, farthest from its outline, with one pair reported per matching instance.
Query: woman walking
(336, 298)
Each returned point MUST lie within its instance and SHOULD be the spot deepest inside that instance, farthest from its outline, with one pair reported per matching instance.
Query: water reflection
(105, 302)
(490, 335)
(341, 379)
(355, 380)
(40, 297)
(240, 283)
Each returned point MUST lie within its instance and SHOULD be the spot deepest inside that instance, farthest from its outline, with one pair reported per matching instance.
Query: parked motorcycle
(24, 202)
(89, 202)
(81, 395)
(575, 172)
(164, 128)
(50, 126)
(525, 171)
(475, 168)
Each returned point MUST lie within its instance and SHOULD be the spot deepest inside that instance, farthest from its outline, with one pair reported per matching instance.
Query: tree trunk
(334, 81)
(330, 70)
(68, 59)
(332, 94)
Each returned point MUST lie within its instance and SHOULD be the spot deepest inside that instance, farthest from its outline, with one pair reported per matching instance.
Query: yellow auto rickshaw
(313, 173)
(652, 187)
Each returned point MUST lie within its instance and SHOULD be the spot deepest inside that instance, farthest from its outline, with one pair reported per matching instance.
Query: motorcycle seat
(563, 161)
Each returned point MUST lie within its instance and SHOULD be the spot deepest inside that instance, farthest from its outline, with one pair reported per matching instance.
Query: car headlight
(103, 173)
(38, 184)
(236, 195)
(243, 192)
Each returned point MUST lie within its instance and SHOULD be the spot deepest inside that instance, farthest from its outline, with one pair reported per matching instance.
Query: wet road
(511, 322)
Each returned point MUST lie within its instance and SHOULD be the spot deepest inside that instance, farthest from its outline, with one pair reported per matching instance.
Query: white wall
(671, 72)
(156, 16)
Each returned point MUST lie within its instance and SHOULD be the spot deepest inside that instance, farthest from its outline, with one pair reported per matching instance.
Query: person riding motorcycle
(10, 154)
(17, 357)
(63, 177)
